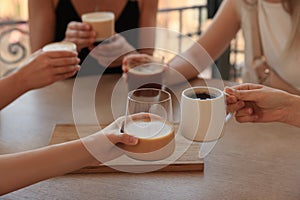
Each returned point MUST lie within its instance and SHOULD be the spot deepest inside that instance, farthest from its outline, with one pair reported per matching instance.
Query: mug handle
(228, 117)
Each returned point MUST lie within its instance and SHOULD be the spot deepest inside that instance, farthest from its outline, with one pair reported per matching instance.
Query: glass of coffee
(149, 118)
(103, 23)
(149, 75)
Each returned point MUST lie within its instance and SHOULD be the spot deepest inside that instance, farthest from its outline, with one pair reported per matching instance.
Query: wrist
(293, 110)
(20, 82)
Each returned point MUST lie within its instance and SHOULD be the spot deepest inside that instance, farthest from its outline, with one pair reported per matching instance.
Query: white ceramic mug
(202, 120)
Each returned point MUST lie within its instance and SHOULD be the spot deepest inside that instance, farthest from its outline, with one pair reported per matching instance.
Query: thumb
(123, 138)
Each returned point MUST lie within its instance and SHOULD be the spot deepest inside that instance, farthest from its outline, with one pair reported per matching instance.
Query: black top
(128, 19)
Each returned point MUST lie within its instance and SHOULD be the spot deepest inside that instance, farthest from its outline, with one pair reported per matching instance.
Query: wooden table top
(251, 161)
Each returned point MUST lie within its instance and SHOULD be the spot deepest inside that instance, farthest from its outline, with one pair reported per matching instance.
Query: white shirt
(275, 27)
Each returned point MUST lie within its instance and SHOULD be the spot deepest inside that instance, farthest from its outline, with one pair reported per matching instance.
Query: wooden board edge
(199, 167)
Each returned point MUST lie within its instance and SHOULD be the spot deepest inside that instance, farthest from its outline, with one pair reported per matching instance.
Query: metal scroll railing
(14, 44)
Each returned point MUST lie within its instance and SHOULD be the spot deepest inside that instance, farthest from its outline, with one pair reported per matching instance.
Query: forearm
(22, 169)
(293, 111)
(11, 88)
(188, 64)
(42, 23)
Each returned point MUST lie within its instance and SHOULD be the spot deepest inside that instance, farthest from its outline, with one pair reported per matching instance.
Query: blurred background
(188, 17)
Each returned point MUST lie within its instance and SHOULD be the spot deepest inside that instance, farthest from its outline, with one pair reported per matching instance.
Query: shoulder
(47, 2)
(38, 4)
(148, 4)
(55, 3)
(242, 7)
(238, 5)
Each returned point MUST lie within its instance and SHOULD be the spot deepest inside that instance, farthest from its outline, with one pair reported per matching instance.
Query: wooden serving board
(184, 158)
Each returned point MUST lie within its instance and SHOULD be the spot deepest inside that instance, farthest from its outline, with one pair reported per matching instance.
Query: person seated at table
(60, 20)
(263, 104)
(39, 70)
(279, 25)
(18, 170)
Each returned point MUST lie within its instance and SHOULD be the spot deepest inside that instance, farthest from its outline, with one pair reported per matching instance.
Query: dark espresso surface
(202, 96)
(107, 41)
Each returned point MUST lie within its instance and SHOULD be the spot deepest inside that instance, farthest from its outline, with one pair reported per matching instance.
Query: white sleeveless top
(275, 27)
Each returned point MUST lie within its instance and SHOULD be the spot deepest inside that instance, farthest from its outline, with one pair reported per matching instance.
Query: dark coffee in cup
(202, 96)
(107, 41)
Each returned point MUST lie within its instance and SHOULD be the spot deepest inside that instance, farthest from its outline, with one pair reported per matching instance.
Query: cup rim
(183, 94)
(160, 66)
(71, 46)
(129, 96)
(107, 13)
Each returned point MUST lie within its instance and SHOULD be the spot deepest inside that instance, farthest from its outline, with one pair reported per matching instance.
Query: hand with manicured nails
(264, 104)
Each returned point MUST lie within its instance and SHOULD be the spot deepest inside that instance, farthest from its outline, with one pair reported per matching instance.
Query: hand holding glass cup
(149, 118)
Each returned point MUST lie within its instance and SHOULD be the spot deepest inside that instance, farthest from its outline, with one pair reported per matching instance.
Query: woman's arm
(41, 69)
(26, 168)
(22, 169)
(41, 23)
(211, 43)
(148, 15)
(10, 88)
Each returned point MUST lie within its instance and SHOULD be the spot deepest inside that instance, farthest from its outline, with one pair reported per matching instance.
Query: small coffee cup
(148, 75)
(103, 23)
(60, 46)
(203, 114)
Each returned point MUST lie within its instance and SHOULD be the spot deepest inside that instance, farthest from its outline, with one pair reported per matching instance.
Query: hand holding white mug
(262, 103)
(45, 68)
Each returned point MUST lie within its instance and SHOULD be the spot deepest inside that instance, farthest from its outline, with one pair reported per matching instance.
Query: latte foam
(60, 46)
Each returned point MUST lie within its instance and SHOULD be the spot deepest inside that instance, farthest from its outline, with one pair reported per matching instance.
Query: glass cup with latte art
(149, 118)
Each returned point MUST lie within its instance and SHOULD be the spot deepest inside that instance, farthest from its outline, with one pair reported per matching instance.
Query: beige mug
(103, 23)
